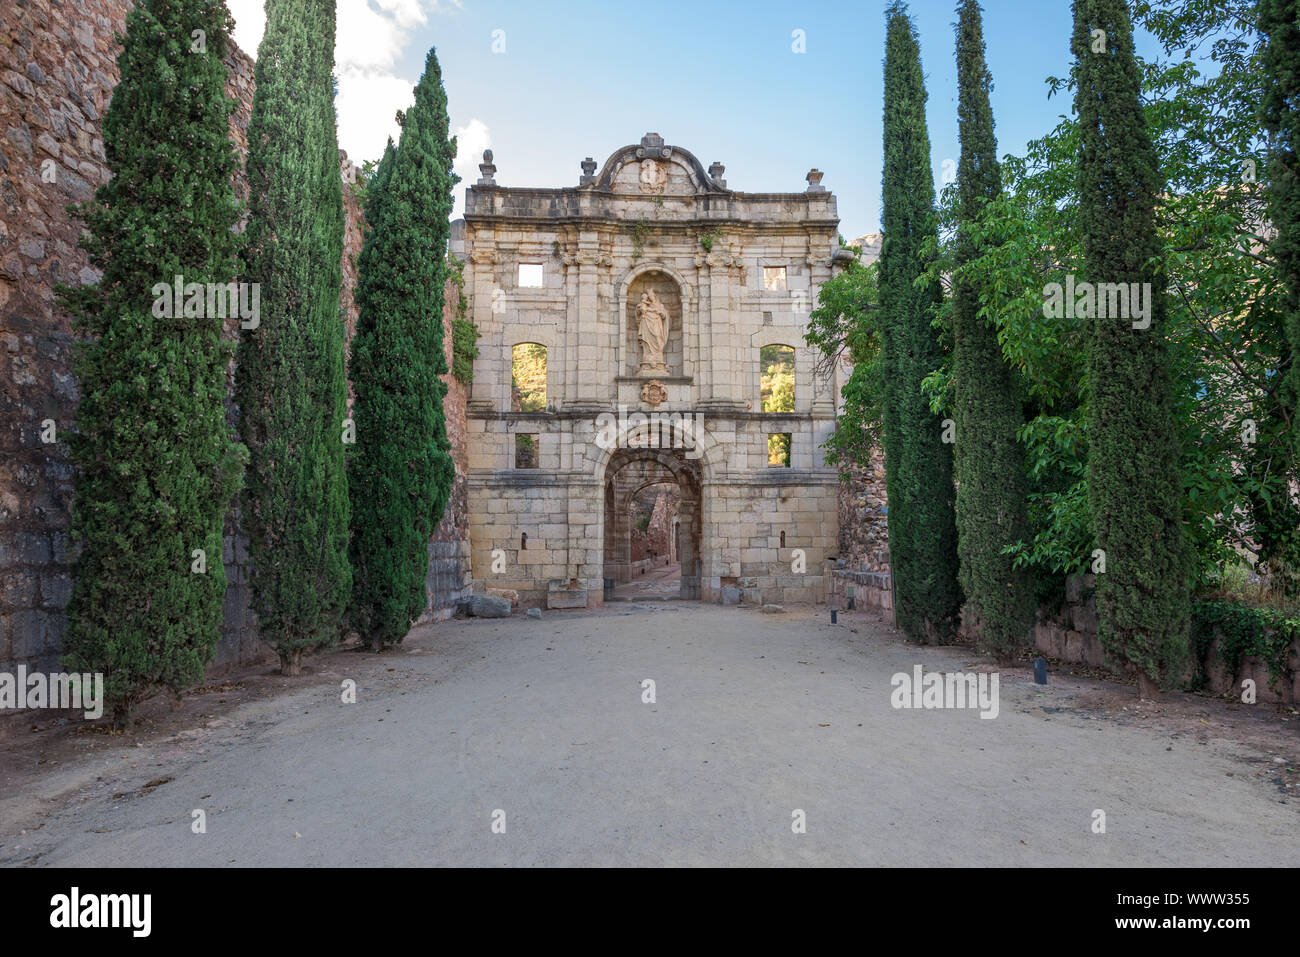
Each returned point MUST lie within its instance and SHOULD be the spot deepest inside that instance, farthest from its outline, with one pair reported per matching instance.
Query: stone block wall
(57, 72)
(745, 519)
(864, 518)
(866, 589)
(1069, 633)
(544, 528)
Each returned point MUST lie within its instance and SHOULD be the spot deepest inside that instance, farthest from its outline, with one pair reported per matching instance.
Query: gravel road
(755, 717)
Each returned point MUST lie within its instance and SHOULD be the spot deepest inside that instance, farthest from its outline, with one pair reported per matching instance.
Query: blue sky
(581, 78)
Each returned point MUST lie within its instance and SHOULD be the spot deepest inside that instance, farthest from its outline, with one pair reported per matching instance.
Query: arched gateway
(623, 325)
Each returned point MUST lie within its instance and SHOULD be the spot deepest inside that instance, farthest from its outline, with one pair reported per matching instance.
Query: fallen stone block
(486, 606)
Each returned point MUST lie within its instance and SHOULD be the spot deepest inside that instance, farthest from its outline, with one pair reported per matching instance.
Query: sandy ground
(756, 716)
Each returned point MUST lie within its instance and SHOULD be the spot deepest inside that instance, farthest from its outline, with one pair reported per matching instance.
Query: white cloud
(367, 106)
(471, 140)
(250, 23)
(370, 38)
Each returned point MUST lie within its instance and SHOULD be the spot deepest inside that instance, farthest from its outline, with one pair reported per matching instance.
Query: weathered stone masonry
(57, 71)
(732, 272)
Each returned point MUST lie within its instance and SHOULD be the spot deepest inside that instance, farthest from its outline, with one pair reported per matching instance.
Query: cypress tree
(291, 387)
(401, 473)
(918, 463)
(992, 490)
(1134, 486)
(155, 463)
(1279, 21)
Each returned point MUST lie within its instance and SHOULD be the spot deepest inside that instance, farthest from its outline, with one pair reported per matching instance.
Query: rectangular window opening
(526, 450)
(778, 450)
(531, 275)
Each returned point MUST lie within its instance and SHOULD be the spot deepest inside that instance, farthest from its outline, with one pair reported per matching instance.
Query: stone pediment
(654, 168)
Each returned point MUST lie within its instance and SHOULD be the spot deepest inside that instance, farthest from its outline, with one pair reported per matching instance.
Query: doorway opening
(652, 525)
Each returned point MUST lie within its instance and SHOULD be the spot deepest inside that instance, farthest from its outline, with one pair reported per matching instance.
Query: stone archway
(628, 472)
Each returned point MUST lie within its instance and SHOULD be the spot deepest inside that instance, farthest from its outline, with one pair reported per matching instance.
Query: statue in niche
(652, 333)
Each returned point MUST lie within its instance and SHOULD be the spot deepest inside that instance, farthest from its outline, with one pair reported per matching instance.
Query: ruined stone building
(655, 298)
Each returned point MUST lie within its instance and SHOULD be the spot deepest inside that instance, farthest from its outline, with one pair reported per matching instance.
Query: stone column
(571, 332)
(702, 367)
(590, 389)
(720, 357)
(487, 368)
(689, 546)
(824, 390)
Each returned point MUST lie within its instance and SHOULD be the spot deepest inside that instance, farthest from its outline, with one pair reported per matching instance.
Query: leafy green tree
(992, 490)
(1225, 322)
(844, 326)
(290, 384)
(1134, 482)
(156, 467)
(918, 463)
(402, 472)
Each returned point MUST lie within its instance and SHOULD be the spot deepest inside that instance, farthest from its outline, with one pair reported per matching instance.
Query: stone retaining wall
(57, 71)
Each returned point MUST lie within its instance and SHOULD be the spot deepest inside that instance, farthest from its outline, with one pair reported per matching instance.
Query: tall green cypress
(1134, 485)
(1279, 21)
(156, 466)
(401, 473)
(992, 490)
(918, 463)
(291, 386)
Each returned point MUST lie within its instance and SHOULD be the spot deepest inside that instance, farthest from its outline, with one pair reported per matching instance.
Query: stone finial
(487, 170)
(715, 173)
(652, 147)
(588, 172)
(814, 178)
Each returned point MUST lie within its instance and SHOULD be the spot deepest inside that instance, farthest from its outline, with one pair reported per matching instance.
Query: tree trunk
(291, 663)
(123, 716)
(1148, 690)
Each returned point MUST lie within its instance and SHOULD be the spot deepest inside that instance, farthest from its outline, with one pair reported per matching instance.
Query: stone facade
(652, 286)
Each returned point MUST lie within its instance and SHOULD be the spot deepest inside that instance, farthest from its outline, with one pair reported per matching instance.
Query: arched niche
(660, 285)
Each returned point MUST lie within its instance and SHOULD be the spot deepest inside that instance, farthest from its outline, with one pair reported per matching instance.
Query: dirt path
(662, 582)
(755, 716)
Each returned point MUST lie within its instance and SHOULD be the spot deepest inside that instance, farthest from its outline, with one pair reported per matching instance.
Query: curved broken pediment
(653, 168)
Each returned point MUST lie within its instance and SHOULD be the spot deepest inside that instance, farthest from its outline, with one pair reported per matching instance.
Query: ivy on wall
(464, 334)
(1243, 630)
